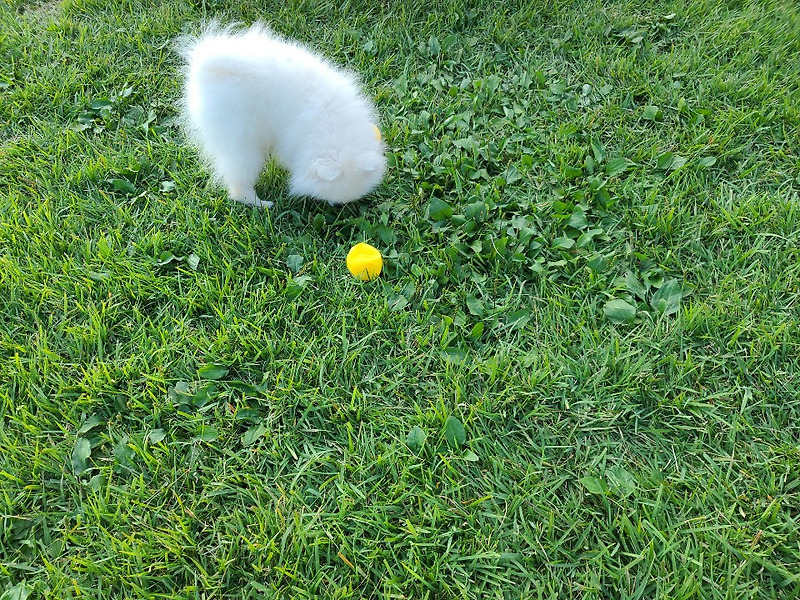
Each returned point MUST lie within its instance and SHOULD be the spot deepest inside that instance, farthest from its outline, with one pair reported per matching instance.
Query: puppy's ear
(326, 168)
(370, 162)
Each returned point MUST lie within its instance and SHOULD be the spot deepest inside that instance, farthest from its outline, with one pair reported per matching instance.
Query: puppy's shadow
(273, 183)
(303, 214)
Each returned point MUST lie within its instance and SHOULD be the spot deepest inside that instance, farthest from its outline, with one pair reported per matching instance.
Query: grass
(578, 377)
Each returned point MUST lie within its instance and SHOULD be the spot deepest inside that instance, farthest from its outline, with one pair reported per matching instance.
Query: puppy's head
(345, 171)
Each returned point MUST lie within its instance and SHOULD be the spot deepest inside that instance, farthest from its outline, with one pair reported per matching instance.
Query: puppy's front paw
(265, 204)
(250, 199)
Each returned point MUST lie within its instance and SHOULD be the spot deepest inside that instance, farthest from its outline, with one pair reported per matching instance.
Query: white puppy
(250, 95)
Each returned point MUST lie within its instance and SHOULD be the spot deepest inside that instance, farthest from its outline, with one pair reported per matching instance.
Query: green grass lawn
(577, 377)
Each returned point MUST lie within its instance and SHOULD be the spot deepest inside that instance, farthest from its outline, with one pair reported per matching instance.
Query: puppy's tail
(220, 51)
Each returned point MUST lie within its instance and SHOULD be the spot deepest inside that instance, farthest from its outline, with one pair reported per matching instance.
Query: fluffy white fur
(251, 95)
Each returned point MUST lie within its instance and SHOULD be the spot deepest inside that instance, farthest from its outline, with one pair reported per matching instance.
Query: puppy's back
(256, 52)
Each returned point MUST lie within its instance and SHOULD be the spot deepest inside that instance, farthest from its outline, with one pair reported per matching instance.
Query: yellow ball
(377, 132)
(364, 262)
